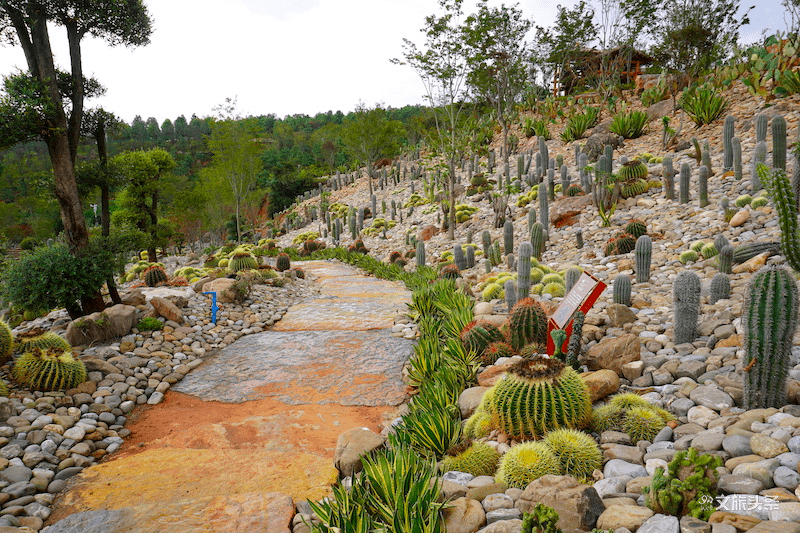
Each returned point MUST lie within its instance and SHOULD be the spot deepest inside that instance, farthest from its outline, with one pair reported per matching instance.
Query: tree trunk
(151, 249)
(451, 196)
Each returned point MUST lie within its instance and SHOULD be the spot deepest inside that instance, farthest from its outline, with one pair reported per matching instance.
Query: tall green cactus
(537, 240)
(420, 255)
(543, 151)
(737, 158)
(508, 237)
(759, 157)
(544, 207)
(705, 158)
(571, 278)
(579, 238)
(531, 218)
(686, 306)
(458, 257)
(726, 259)
(524, 270)
(779, 142)
(575, 340)
(727, 137)
(511, 293)
(782, 193)
(720, 288)
(551, 184)
(6, 342)
(668, 175)
(769, 320)
(761, 127)
(470, 256)
(527, 324)
(622, 289)
(702, 185)
(643, 253)
(520, 166)
(686, 174)
(564, 180)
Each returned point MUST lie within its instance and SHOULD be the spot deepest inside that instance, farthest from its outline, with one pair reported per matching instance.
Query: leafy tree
(167, 129)
(557, 47)
(369, 135)
(138, 203)
(25, 22)
(442, 65)
(153, 131)
(236, 145)
(694, 34)
(498, 62)
(96, 124)
(181, 126)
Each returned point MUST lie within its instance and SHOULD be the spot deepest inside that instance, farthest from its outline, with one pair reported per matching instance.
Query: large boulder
(464, 515)
(167, 309)
(224, 289)
(601, 383)
(613, 352)
(116, 321)
(566, 210)
(351, 445)
(578, 506)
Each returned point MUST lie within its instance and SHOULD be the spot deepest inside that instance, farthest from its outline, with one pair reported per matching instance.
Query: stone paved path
(257, 422)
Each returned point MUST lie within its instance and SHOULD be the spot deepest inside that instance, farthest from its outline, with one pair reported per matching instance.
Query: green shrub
(629, 125)
(703, 104)
(51, 277)
(578, 124)
(28, 243)
(538, 127)
(149, 323)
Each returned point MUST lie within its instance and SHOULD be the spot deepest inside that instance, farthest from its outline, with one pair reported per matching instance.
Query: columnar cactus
(769, 320)
(702, 185)
(544, 207)
(511, 293)
(353, 227)
(779, 142)
(761, 127)
(726, 259)
(575, 340)
(458, 257)
(508, 237)
(551, 184)
(782, 193)
(543, 150)
(643, 252)
(705, 158)
(720, 288)
(737, 158)
(579, 238)
(622, 289)
(524, 270)
(686, 306)
(668, 175)
(759, 157)
(537, 240)
(486, 241)
(686, 174)
(571, 278)
(470, 256)
(564, 180)
(6, 342)
(520, 166)
(420, 255)
(727, 137)
(360, 218)
(531, 218)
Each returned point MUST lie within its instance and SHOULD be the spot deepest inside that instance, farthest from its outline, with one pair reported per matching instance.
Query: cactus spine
(622, 289)
(282, 262)
(537, 240)
(720, 288)
(531, 218)
(524, 270)
(686, 305)
(543, 150)
(508, 237)
(769, 320)
(686, 174)
(782, 193)
(6, 342)
(727, 138)
(575, 340)
(702, 185)
(705, 158)
(779, 142)
(643, 252)
(726, 259)
(527, 324)
(759, 157)
(564, 180)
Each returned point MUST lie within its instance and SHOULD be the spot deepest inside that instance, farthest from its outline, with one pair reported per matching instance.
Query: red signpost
(581, 297)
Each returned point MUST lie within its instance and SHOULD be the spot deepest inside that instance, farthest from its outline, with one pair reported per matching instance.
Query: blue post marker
(213, 306)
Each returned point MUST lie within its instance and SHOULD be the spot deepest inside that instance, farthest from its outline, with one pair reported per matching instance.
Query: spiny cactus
(527, 324)
(720, 242)
(686, 174)
(779, 143)
(759, 157)
(633, 170)
(641, 424)
(477, 335)
(544, 207)
(559, 337)
(508, 237)
(769, 319)
(243, 261)
(476, 458)
(458, 257)
(625, 243)
(577, 452)
(6, 342)
(726, 259)
(154, 276)
(748, 251)
(636, 227)
(727, 139)
(420, 255)
(449, 271)
(537, 240)
(761, 127)
(49, 370)
(737, 158)
(686, 306)
(531, 218)
(689, 481)
(282, 262)
(643, 253)
(538, 395)
(43, 342)
(705, 158)
(709, 250)
(470, 256)
(702, 185)
(668, 175)
(782, 193)
(579, 238)
(622, 289)
(720, 288)
(571, 277)
(510, 288)
(495, 351)
(524, 270)
(575, 340)
(527, 462)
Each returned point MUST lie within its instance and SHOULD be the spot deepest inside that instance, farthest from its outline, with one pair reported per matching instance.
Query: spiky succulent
(577, 452)
(625, 243)
(631, 414)
(641, 423)
(282, 262)
(556, 290)
(633, 170)
(527, 462)
(495, 351)
(538, 395)
(6, 342)
(449, 271)
(49, 370)
(242, 261)
(636, 227)
(478, 335)
(42, 342)
(154, 276)
(476, 458)
(527, 323)
(688, 256)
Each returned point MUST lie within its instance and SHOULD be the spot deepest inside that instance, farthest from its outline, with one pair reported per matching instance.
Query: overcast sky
(279, 56)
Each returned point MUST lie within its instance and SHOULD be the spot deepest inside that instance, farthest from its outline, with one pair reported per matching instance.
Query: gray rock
(681, 406)
(794, 444)
(501, 515)
(746, 504)
(502, 526)
(493, 502)
(690, 524)
(611, 485)
(739, 484)
(790, 460)
(15, 474)
(786, 477)
(737, 445)
(462, 478)
(786, 512)
(711, 397)
(760, 470)
(618, 467)
(92, 522)
(708, 441)
(660, 524)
